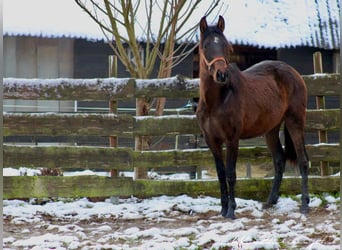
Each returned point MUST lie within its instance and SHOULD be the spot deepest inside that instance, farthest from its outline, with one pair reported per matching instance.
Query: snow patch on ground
(169, 223)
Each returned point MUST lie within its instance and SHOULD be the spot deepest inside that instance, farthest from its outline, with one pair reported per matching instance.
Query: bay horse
(236, 104)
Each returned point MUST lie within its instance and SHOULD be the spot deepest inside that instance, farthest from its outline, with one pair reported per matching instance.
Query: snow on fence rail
(98, 89)
(56, 124)
(115, 88)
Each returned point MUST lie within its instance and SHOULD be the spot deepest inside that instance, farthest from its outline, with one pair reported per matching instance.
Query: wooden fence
(126, 159)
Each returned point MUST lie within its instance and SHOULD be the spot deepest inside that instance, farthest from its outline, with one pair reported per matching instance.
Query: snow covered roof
(49, 19)
(261, 23)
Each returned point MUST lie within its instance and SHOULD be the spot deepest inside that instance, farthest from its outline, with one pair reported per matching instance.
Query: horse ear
(220, 23)
(203, 24)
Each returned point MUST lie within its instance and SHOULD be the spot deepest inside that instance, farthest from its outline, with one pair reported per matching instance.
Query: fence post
(320, 104)
(113, 106)
(248, 170)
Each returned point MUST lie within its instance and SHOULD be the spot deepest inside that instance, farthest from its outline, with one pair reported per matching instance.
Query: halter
(209, 64)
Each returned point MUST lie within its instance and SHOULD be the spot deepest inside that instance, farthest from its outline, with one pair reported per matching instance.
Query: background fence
(126, 159)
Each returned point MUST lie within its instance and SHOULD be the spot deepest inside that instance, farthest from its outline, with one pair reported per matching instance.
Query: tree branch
(118, 40)
(91, 15)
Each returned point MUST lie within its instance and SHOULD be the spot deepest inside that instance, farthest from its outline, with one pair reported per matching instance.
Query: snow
(266, 23)
(169, 83)
(108, 85)
(166, 223)
(157, 83)
(24, 171)
(165, 117)
(21, 171)
(51, 114)
(45, 241)
(315, 202)
(61, 18)
(39, 20)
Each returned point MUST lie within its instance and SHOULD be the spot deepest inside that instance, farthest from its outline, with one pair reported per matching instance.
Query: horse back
(272, 90)
(279, 73)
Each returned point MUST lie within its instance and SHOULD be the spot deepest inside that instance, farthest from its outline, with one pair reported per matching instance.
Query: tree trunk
(160, 104)
(166, 62)
(121, 14)
(141, 142)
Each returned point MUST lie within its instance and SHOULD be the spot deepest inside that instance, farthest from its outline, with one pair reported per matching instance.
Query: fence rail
(80, 124)
(116, 88)
(98, 186)
(125, 159)
(57, 124)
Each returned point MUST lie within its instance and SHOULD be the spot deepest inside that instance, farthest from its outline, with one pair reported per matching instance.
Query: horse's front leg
(221, 174)
(232, 152)
(216, 150)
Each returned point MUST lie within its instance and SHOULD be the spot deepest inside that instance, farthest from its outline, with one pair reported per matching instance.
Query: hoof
(267, 205)
(224, 212)
(230, 215)
(305, 210)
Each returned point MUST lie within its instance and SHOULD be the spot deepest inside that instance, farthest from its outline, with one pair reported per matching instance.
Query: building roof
(260, 23)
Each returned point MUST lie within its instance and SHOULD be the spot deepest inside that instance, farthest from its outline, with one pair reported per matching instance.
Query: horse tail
(290, 152)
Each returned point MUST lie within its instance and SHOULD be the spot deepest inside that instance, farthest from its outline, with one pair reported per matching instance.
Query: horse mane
(234, 78)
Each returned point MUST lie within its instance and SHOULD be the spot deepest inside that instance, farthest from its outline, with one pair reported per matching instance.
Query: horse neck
(210, 93)
(214, 95)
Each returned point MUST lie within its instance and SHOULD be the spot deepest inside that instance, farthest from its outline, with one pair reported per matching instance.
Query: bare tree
(161, 25)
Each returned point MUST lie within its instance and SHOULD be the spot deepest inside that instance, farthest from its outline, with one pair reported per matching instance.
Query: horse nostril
(226, 75)
(220, 76)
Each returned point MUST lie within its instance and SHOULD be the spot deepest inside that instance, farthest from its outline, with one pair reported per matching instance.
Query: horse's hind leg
(296, 131)
(303, 160)
(278, 155)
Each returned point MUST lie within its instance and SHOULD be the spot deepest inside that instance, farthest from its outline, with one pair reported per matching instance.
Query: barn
(51, 46)
(56, 39)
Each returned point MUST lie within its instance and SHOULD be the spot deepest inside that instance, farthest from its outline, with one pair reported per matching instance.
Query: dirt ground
(172, 220)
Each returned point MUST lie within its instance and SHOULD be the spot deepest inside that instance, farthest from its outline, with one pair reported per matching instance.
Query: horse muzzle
(221, 76)
(218, 69)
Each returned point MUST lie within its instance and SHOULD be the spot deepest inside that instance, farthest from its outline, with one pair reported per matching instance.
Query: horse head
(214, 50)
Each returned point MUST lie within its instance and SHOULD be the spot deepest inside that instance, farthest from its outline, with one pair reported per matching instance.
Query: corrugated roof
(325, 24)
(261, 23)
